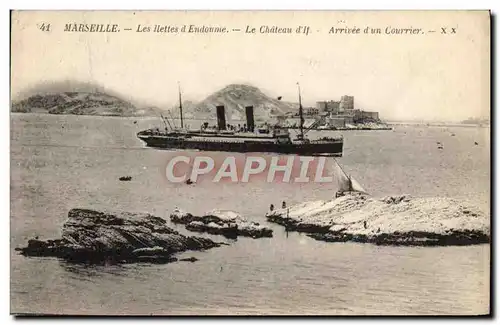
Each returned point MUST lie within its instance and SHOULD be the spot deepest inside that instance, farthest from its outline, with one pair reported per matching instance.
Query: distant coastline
(354, 127)
(78, 103)
(74, 98)
(86, 99)
(434, 124)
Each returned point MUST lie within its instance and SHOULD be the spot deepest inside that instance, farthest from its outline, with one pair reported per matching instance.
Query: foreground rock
(94, 237)
(219, 222)
(399, 220)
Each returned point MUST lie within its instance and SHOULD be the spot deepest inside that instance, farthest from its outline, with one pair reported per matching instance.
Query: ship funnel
(250, 121)
(221, 117)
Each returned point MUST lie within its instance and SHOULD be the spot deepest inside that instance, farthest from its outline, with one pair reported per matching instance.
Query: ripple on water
(291, 274)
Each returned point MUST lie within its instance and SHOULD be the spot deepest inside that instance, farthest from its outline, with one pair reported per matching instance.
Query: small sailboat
(347, 184)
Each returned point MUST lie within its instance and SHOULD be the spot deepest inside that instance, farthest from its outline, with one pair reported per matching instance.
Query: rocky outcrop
(220, 222)
(93, 237)
(394, 220)
(75, 103)
(235, 98)
(77, 98)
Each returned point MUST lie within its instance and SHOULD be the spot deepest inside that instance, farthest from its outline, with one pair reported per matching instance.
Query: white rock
(388, 215)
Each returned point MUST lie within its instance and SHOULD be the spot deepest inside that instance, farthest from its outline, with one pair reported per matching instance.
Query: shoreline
(117, 237)
(227, 223)
(389, 221)
(364, 128)
(390, 125)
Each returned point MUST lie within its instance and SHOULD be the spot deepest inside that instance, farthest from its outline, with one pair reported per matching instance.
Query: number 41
(44, 27)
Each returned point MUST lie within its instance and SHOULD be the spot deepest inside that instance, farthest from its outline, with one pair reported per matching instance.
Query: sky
(430, 76)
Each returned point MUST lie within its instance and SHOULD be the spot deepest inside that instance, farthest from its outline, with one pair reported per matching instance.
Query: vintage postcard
(250, 162)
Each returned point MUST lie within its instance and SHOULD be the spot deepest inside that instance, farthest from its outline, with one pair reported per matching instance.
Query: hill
(78, 98)
(235, 97)
(77, 103)
(69, 97)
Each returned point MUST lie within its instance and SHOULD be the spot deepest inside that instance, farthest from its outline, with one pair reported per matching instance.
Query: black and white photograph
(322, 163)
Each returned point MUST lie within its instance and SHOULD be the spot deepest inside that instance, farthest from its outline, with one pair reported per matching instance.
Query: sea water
(64, 162)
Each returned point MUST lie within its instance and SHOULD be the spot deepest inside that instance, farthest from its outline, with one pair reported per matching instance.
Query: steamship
(269, 139)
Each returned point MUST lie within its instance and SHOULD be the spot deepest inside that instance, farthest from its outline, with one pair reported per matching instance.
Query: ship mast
(163, 119)
(180, 105)
(301, 114)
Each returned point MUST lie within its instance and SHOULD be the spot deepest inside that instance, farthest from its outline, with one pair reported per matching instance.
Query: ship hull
(305, 149)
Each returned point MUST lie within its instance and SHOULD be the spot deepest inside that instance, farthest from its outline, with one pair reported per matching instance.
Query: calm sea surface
(63, 162)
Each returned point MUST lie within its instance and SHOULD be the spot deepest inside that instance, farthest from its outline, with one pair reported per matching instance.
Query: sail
(355, 186)
(345, 182)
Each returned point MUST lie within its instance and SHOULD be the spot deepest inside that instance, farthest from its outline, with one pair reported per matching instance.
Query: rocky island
(221, 222)
(90, 236)
(393, 220)
(77, 103)
(77, 98)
